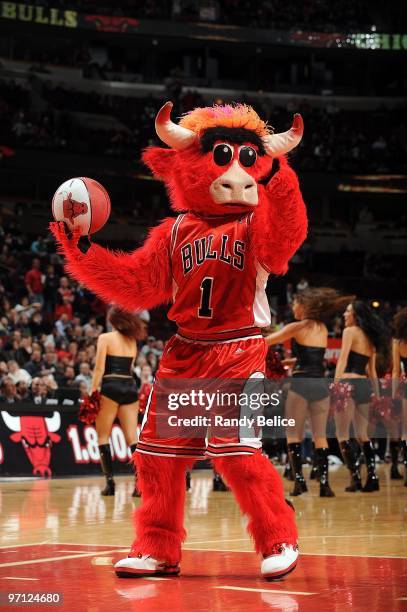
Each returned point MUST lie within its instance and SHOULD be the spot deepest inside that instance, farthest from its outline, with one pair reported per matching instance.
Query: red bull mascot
(241, 217)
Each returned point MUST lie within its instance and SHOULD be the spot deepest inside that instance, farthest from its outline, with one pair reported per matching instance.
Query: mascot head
(220, 157)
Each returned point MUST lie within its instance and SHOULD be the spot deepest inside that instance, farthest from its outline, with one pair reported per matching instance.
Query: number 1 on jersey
(205, 309)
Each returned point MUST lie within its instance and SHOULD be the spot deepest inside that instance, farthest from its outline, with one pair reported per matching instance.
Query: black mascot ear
(160, 161)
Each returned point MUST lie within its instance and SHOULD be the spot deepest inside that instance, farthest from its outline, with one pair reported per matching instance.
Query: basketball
(81, 202)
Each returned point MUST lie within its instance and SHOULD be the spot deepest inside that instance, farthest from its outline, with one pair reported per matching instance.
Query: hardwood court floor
(61, 535)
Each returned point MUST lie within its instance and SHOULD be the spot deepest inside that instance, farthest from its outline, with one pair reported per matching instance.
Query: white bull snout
(235, 186)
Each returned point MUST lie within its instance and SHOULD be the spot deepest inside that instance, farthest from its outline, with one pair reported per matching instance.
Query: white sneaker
(282, 562)
(144, 565)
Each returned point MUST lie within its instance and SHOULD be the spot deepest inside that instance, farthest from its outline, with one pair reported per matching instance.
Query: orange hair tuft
(229, 115)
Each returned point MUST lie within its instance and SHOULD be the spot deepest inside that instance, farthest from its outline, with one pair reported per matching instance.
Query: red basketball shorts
(182, 413)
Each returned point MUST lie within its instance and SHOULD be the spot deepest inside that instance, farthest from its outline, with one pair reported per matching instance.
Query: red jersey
(218, 286)
(33, 279)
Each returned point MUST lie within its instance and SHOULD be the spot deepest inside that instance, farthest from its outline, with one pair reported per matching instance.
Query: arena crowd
(338, 141)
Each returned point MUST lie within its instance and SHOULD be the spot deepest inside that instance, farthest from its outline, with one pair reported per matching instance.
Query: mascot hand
(67, 244)
(283, 182)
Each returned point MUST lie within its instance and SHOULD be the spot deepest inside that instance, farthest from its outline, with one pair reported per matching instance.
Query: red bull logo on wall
(37, 436)
(54, 443)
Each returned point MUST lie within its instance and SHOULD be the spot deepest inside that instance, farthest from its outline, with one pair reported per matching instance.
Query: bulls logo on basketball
(37, 435)
(72, 208)
(83, 204)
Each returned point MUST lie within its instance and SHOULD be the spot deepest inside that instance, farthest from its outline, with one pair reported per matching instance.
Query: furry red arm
(279, 224)
(134, 281)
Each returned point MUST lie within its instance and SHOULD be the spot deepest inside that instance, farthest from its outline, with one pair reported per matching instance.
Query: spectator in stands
(149, 347)
(8, 391)
(73, 350)
(141, 361)
(33, 282)
(39, 390)
(85, 374)
(159, 348)
(64, 289)
(36, 324)
(49, 381)
(18, 374)
(38, 247)
(146, 374)
(26, 307)
(68, 379)
(35, 364)
(64, 308)
(83, 389)
(24, 350)
(51, 284)
(64, 298)
(50, 361)
(152, 360)
(23, 390)
(62, 324)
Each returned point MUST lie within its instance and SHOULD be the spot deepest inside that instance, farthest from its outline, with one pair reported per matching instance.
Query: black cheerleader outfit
(308, 374)
(118, 384)
(361, 387)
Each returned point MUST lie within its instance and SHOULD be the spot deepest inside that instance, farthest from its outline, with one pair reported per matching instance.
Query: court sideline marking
(47, 559)
(17, 578)
(235, 588)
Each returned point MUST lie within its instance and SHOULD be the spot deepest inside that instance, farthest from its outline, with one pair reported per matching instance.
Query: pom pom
(274, 366)
(341, 393)
(386, 384)
(90, 407)
(382, 408)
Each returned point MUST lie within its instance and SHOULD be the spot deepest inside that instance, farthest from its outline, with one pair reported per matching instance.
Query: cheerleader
(364, 335)
(309, 392)
(115, 355)
(399, 368)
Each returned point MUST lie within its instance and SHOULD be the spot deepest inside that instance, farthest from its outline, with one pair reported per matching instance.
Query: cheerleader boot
(288, 472)
(218, 484)
(107, 469)
(321, 455)
(351, 458)
(314, 468)
(294, 453)
(314, 474)
(259, 491)
(136, 492)
(404, 448)
(394, 452)
(372, 482)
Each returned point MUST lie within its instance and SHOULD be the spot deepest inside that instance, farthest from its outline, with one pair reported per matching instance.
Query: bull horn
(278, 144)
(53, 422)
(12, 422)
(173, 135)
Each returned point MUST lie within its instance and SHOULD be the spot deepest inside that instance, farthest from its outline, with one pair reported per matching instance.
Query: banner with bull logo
(53, 443)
